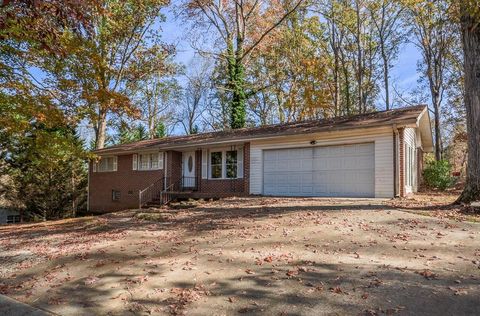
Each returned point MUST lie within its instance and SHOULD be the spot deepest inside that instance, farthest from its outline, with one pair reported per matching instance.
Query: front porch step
(174, 195)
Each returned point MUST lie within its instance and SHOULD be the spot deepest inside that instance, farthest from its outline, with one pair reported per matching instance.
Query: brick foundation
(225, 187)
(125, 180)
(129, 182)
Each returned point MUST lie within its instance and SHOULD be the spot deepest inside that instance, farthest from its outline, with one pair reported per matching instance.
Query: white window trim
(96, 164)
(239, 151)
(136, 159)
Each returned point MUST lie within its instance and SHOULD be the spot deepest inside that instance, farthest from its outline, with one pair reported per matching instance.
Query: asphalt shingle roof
(404, 115)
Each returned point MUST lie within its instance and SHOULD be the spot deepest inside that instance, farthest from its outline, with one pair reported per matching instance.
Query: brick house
(370, 155)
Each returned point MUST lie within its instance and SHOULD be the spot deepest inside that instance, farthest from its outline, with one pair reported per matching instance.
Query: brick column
(401, 162)
(246, 168)
(198, 168)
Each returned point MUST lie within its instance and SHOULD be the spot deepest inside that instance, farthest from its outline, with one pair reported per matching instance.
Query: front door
(189, 169)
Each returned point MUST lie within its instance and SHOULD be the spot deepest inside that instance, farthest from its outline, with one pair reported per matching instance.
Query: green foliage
(160, 130)
(236, 87)
(129, 134)
(437, 174)
(47, 169)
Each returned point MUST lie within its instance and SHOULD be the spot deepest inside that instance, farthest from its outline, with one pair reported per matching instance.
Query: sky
(404, 74)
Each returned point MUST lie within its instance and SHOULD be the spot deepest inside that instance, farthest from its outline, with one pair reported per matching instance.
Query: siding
(410, 166)
(383, 139)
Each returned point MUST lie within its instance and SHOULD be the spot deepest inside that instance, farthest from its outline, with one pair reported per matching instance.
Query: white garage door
(347, 171)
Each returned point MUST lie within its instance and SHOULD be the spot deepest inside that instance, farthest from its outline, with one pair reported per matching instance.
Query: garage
(330, 171)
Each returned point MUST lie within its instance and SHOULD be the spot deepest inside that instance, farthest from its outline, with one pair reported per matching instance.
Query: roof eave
(424, 124)
(405, 123)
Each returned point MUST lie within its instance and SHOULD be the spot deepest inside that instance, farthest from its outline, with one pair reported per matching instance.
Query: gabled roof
(402, 116)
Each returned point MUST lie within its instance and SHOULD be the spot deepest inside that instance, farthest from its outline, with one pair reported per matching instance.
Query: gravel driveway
(265, 256)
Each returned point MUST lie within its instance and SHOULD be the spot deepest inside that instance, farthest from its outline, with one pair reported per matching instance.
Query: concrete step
(11, 307)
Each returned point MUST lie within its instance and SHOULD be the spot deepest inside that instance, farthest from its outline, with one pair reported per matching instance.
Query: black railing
(189, 184)
(163, 190)
(150, 193)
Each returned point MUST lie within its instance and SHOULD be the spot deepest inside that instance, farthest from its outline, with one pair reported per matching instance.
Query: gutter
(88, 188)
(395, 161)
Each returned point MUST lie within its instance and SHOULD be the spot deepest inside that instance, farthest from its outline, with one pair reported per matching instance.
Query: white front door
(189, 169)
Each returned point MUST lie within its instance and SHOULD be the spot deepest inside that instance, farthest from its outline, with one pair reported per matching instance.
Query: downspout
(88, 186)
(395, 160)
(165, 164)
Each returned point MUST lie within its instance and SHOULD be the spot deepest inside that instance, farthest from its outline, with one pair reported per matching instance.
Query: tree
(470, 28)
(123, 47)
(290, 74)
(128, 133)
(434, 35)
(241, 27)
(156, 97)
(47, 169)
(354, 67)
(388, 17)
(195, 94)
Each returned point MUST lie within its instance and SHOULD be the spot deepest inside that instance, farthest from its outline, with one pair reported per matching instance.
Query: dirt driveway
(260, 256)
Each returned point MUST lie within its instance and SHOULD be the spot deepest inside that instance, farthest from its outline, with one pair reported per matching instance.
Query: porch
(201, 173)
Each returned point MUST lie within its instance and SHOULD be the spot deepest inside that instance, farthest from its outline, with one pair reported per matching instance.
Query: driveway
(265, 256)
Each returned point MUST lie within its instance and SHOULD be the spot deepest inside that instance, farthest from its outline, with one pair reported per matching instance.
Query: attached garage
(331, 171)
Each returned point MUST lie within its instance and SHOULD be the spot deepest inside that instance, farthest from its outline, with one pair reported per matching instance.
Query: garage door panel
(346, 170)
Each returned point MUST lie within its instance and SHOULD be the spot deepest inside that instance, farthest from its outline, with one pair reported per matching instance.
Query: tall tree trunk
(438, 138)
(336, 96)
(359, 60)
(101, 129)
(471, 49)
(385, 76)
(236, 85)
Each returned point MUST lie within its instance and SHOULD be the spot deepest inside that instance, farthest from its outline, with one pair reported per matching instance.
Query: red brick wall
(246, 168)
(226, 187)
(129, 181)
(125, 180)
(174, 166)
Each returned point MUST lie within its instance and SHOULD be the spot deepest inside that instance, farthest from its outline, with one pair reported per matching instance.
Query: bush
(437, 174)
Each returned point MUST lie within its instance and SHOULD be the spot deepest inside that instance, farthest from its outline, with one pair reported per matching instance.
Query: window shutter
(94, 166)
(204, 164)
(160, 160)
(134, 162)
(240, 163)
(115, 163)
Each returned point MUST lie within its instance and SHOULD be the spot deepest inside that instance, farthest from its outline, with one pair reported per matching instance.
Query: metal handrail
(146, 195)
(164, 193)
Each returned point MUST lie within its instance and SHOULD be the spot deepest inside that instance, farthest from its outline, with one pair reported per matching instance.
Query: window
(216, 164)
(190, 164)
(231, 164)
(107, 164)
(13, 219)
(151, 161)
(115, 195)
(226, 164)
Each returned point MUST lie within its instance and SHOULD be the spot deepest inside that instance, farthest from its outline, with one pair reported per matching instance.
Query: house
(9, 211)
(9, 216)
(369, 155)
